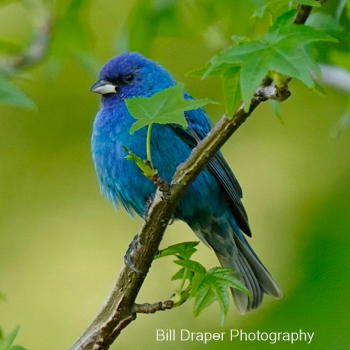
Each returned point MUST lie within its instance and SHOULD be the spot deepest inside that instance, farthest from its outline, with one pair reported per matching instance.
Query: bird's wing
(198, 127)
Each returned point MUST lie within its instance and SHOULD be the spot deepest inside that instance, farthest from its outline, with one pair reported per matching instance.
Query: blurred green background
(62, 244)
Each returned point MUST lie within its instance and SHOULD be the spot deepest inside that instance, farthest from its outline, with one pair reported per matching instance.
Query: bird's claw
(172, 220)
(132, 252)
(148, 206)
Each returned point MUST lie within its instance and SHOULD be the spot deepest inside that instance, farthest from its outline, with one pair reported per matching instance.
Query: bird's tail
(223, 235)
(252, 273)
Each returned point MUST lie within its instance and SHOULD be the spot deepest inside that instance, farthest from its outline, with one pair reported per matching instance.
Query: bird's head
(131, 75)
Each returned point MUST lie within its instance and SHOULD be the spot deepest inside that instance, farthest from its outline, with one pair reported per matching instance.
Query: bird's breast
(121, 179)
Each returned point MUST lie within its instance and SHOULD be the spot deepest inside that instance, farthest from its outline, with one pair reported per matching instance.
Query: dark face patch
(116, 79)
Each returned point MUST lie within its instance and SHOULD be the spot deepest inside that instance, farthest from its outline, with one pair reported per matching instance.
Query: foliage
(264, 7)
(6, 343)
(230, 75)
(164, 107)
(285, 51)
(204, 286)
(145, 165)
(11, 94)
(282, 51)
(282, 54)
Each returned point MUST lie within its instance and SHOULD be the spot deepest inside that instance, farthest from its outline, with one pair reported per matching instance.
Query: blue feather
(212, 205)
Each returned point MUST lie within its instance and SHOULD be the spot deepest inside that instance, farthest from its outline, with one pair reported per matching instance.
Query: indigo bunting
(212, 205)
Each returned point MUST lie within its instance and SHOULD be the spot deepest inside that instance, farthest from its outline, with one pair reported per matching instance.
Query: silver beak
(103, 87)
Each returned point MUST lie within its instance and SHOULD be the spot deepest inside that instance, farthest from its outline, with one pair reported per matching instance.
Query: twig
(152, 308)
(119, 307)
(302, 14)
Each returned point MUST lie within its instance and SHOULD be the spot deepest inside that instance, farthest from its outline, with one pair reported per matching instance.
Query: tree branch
(120, 308)
(152, 308)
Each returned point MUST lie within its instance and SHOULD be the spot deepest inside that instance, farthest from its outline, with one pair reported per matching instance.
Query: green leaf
(275, 6)
(11, 94)
(285, 33)
(164, 107)
(214, 286)
(145, 166)
(283, 22)
(17, 347)
(205, 297)
(217, 71)
(223, 297)
(197, 280)
(301, 35)
(323, 21)
(6, 342)
(252, 73)
(271, 7)
(235, 54)
(225, 275)
(193, 266)
(179, 275)
(231, 89)
(183, 250)
(282, 51)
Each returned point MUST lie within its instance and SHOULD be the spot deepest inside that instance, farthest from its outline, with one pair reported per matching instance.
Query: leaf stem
(149, 142)
(183, 280)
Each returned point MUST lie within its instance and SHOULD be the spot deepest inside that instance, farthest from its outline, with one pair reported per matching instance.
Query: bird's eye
(129, 77)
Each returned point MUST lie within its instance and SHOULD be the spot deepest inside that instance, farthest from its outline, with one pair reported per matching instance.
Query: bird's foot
(132, 253)
(172, 220)
(148, 206)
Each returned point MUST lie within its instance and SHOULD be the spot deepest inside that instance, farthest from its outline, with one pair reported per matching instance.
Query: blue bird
(212, 205)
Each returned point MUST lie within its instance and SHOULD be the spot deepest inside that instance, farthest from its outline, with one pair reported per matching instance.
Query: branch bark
(120, 308)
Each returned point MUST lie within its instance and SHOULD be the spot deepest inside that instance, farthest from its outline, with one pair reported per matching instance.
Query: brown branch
(120, 308)
(152, 308)
(302, 14)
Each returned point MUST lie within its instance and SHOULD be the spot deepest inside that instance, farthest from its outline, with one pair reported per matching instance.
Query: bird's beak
(103, 87)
